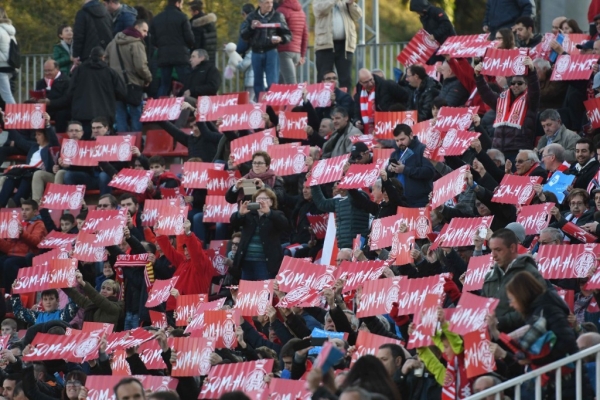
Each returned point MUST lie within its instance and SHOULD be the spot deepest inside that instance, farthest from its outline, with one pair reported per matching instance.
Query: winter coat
(31, 147)
(260, 38)
(94, 89)
(434, 20)
(33, 233)
(387, 93)
(203, 146)
(454, 92)
(583, 177)
(422, 97)
(418, 173)
(133, 53)
(504, 13)
(296, 20)
(383, 209)
(7, 33)
(204, 80)
(58, 93)
(323, 12)
(123, 18)
(97, 307)
(61, 53)
(507, 138)
(566, 138)
(172, 34)
(93, 27)
(205, 34)
(339, 142)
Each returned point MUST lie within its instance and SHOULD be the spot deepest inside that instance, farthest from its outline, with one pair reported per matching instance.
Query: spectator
(9, 328)
(504, 14)
(335, 37)
(62, 52)
(74, 381)
(578, 213)
(129, 388)
(205, 78)
(50, 309)
(524, 27)
(552, 93)
(587, 165)
(172, 34)
(556, 132)
(242, 45)
(507, 39)
(123, 16)
(264, 42)
(434, 20)
(292, 54)
(56, 85)
(7, 34)
(455, 94)
(126, 54)
(339, 142)
(263, 177)
(585, 341)
(205, 29)
(570, 26)
(370, 374)
(554, 159)
(339, 98)
(93, 28)
(244, 65)
(557, 23)
(424, 89)
(485, 382)
(387, 194)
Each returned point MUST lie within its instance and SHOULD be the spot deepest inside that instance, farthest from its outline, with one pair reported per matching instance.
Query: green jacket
(495, 286)
(432, 363)
(97, 307)
(63, 58)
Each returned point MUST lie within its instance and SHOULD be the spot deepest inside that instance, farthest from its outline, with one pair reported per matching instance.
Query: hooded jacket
(260, 38)
(172, 34)
(123, 18)
(323, 11)
(93, 27)
(421, 98)
(296, 20)
(205, 33)
(33, 233)
(7, 33)
(434, 20)
(133, 53)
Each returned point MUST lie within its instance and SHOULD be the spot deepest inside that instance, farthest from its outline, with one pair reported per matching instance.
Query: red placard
(288, 389)
(478, 268)
(470, 313)
(119, 364)
(318, 224)
(86, 248)
(151, 355)
(356, 273)
(516, 189)
(382, 156)
(152, 208)
(593, 111)
(479, 359)
(302, 273)
(419, 338)
(24, 116)
(210, 107)
(62, 197)
(57, 274)
(220, 325)
(369, 140)
(429, 135)
(567, 261)
(131, 180)
(113, 148)
(427, 317)
(416, 219)
(218, 182)
(193, 356)
(420, 49)
(254, 297)
(571, 40)
(359, 176)
(170, 220)
(57, 239)
(466, 46)
(167, 109)
(326, 171)
(405, 243)
(283, 95)
(76, 347)
(78, 152)
(573, 67)
(195, 174)
(458, 118)
(288, 160)
(432, 70)
(319, 94)
(186, 307)
(455, 143)
(578, 233)
(9, 224)
(504, 62)
(244, 116)
(300, 296)
(414, 292)
(534, 218)
(568, 296)
(378, 295)
(126, 339)
(158, 319)
(449, 186)
(218, 260)
(369, 343)
(110, 232)
(160, 292)
(245, 376)
(243, 148)
(543, 49)
(385, 122)
(460, 231)
(105, 327)
(292, 125)
(383, 230)
(197, 322)
(45, 258)
(218, 209)
(97, 216)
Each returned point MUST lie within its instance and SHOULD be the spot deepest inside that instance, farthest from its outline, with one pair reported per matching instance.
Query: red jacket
(33, 233)
(296, 20)
(194, 274)
(465, 74)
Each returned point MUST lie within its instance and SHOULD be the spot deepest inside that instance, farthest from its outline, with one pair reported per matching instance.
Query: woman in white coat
(7, 33)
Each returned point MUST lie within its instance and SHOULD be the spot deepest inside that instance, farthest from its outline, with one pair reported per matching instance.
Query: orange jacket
(33, 233)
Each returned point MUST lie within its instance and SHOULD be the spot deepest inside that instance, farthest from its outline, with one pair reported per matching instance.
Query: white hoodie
(7, 32)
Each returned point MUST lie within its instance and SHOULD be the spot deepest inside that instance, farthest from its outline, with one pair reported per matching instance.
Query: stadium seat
(158, 143)
(179, 151)
(176, 169)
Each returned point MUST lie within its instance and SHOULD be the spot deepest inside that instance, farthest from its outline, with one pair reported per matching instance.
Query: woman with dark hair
(263, 177)
(570, 26)
(370, 374)
(74, 381)
(507, 39)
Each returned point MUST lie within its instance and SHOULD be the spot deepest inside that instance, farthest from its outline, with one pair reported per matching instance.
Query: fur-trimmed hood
(204, 20)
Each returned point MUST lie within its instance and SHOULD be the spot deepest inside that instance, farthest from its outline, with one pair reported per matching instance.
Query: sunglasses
(517, 83)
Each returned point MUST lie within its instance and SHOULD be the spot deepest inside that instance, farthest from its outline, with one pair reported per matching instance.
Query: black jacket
(203, 146)
(260, 38)
(387, 93)
(172, 34)
(270, 227)
(205, 33)
(58, 93)
(204, 80)
(454, 92)
(434, 20)
(418, 173)
(421, 98)
(342, 99)
(94, 89)
(93, 27)
(583, 177)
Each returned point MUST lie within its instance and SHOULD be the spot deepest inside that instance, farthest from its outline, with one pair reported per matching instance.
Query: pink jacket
(296, 20)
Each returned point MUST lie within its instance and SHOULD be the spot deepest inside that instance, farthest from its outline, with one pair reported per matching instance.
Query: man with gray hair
(485, 382)
(527, 163)
(497, 157)
(553, 157)
(585, 341)
(556, 132)
(205, 78)
(551, 236)
(552, 93)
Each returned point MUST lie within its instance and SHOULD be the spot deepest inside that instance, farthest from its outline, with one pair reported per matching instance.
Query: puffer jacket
(7, 33)
(33, 233)
(421, 98)
(61, 53)
(205, 33)
(260, 38)
(97, 307)
(296, 20)
(323, 12)
(504, 13)
(507, 138)
(172, 34)
(93, 27)
(454, 92)
(133, 53)
(123, 18)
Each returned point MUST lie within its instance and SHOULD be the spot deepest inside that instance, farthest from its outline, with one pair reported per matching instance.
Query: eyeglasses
(521, 161)
(73, 383)
(263, 198)
(330, 78)
(409, 76)
(576, 203)
(258, 163)
(517, 83)
(103, 206)
(546, 155)
(235, 243)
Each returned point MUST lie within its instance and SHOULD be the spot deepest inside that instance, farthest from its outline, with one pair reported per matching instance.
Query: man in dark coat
(123, 16)
(93, 27)
(205, 29)
(455, 94)
(503, 14)
(340, 99)
(424, 90)
(172, 34)
(57, 100)
(435, 22)
(586, 166)
(205, 78)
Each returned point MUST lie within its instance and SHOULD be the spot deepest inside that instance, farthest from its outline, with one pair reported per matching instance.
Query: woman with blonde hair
(7, 34)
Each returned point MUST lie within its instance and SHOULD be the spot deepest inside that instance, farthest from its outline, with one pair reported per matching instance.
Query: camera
(253, 206)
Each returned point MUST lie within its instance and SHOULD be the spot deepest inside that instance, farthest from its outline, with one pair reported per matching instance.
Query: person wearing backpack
(8, 51)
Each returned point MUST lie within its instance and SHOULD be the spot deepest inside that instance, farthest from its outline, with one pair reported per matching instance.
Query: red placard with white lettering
(195, 174)
(110, 232)
(369, 343)
(245, 376)
(75, 347)
(318, 224)
(209, 107)
(96, 216)
(243, 148)
(193, 356)
(62, 197)
(578, 233)
(218, 260)
(466, 46)
(167, 109)
(218, 209)
(504, 62)
(413, 293)
(118, 363)
(132, 260)
(288, 160)
(416, 219)
(218, 182)
(460, 231)
(469, 315)
(479, 359)
(243, 116)
(302, 273)
(383, 230)
(355, 273)
(45, 258)
(429, 135)
(419, 338)
(543, 49)
(571, 40)
(319, 94)
(516, 189)
(78, 152)
(283, 94)
(254, 297)
(385, 122)
(534, 218)
(131, 180)
(57, 239)
(160, 292)
(382, 156)
(186, 307)
(593, 111)
(220, 324)
(152, 208)
(151, 355)
(301, 296)
(158, 319)
(459, 118)
(359, 176)
(326, 171)
(126, 339)
(9, 224)
(288, 389)
(197, 322)
(573, 67)
(170, 220)
(24, 116)
(378, 295)
(292, 125)
(369, 140)
(114, 148)
(89, 326)
(567, 261)
(427, 317)
(59, 273)
(449, 186)
(567, 295)
(455, 142)
(478, 268)
(87, 250)
(406, 242)
(420, 49)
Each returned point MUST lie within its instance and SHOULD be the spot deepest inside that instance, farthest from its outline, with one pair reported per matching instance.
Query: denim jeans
(268, 64)
(255, 271)
(165, 77)
(97, 180)
(132, 321)
(199, 228)
(126, 111)
(5, 91)
(23, 186)
(287, 66)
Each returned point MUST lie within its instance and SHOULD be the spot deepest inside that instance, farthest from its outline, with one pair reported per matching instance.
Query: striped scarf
(367, 110)
(508, 114)
(454, 380)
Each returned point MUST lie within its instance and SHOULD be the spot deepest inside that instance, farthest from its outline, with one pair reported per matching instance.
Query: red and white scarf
(454, 381)
(508, 114)
(367, 110)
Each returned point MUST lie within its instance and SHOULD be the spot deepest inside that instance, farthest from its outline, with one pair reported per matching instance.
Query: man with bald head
(374, 93)
(485, 382)
(556, 23)
(57, 102)
(553, 157)
(586, 341)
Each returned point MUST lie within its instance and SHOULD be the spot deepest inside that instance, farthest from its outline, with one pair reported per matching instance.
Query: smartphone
(253, 206)
(318, 341)
(394, 161)
(303, 344)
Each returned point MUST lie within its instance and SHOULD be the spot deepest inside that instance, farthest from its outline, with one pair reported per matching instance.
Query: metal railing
(555, 367)
(372, 56)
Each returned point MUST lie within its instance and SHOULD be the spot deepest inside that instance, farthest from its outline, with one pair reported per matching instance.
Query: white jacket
(7, 32)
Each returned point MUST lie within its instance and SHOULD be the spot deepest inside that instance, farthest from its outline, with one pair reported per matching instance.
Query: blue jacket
(30, 147)
(503, 13)
(418, 173)
(39, 317)
(124, 18)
